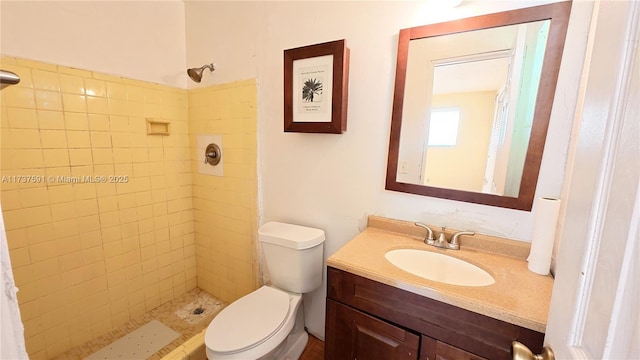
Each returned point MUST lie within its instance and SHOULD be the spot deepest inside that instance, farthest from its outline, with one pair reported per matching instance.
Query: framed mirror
(472, 103)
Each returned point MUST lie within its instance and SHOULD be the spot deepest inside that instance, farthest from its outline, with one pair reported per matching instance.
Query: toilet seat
(248, 322)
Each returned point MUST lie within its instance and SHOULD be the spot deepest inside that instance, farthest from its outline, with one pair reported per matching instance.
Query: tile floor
(166, 314)
(187, 327)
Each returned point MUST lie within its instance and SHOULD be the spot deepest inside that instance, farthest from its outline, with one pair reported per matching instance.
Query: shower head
(8, 77)
(196, 73)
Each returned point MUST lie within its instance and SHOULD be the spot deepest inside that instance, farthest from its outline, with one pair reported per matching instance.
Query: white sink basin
(439, 267)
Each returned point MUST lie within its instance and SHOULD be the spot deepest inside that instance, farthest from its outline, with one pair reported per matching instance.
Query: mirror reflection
(469, 104)
(472, 104)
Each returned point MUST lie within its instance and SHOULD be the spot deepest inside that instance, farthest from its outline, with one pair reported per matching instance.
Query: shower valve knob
(212, 154)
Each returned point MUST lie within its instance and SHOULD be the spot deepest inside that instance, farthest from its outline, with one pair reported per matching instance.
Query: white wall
(143, 40)
(334, 181)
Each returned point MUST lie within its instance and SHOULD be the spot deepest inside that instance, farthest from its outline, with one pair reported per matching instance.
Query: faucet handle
(429, 235)
(454, 239)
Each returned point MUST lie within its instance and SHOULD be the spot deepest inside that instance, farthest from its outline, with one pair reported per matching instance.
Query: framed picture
(316, 82)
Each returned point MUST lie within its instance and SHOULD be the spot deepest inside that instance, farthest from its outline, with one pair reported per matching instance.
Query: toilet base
(293, 346)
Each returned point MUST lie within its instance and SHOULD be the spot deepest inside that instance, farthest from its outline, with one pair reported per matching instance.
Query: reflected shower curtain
(11, 329)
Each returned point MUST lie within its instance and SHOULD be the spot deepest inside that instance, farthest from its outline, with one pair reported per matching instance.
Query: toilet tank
(293, 255)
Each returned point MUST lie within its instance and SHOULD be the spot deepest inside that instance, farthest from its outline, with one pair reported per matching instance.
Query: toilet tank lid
(289, 235)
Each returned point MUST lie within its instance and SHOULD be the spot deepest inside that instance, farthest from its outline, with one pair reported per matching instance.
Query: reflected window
(443, 127)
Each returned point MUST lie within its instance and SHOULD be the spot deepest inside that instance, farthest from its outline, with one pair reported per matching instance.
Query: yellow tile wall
(225, 207)
(87, 257)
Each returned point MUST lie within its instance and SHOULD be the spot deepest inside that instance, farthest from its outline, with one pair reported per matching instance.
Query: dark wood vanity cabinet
(370, 320)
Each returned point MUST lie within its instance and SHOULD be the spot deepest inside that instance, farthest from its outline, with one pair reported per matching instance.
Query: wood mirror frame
(558, 14)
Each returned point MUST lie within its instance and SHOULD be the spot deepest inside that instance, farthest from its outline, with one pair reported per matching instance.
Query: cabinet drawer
(478, 334)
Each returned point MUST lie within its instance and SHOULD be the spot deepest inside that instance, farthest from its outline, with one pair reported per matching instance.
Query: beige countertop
(518, 296)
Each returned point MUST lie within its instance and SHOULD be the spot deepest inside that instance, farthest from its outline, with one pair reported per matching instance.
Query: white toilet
(269, 322)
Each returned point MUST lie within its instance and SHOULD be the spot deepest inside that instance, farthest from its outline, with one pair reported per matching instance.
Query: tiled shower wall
(88, 256)
(225, 207)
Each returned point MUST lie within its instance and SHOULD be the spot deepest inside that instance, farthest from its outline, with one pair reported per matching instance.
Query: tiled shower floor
(164, 313)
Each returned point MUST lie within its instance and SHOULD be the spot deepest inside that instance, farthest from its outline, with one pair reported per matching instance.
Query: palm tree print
(311, 87)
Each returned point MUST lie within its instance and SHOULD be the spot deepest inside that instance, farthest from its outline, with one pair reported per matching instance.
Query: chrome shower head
(196, 73)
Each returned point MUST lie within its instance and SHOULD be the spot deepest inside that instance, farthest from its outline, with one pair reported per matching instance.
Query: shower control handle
(212, 154)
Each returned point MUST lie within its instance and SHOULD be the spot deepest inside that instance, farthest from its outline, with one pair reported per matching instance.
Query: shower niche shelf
(157, 127)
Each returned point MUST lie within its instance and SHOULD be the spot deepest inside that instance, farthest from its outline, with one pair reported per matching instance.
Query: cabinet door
(351, 334)
(431, 349)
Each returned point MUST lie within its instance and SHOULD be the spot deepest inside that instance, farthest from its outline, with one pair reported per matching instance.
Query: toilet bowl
(256, 326)
(269, 322)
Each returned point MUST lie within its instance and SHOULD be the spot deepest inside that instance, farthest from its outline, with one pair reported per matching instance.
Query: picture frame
(316, 82)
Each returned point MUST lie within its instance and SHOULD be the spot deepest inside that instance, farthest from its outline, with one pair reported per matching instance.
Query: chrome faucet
(442, 242)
